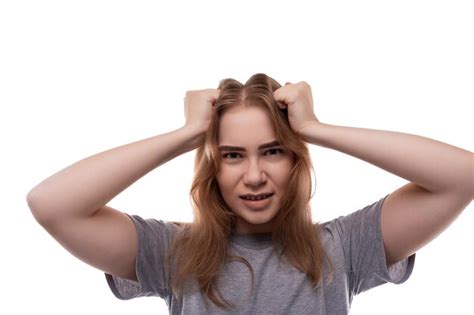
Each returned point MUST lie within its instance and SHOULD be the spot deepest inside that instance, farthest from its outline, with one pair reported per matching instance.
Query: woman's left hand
(299, 101)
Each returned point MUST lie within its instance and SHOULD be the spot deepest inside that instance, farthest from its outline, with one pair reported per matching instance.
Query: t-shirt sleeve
(154, 237)
(364, 254)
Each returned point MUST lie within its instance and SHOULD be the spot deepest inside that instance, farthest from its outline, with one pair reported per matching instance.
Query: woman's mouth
(259, 202)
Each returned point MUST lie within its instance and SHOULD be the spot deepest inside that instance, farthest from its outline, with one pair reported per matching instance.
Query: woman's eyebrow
(263, 146)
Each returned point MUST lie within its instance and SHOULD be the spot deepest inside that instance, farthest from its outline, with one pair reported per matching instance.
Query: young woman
(252, 247)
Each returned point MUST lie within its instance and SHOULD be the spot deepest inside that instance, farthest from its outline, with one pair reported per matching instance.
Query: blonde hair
(200, 248)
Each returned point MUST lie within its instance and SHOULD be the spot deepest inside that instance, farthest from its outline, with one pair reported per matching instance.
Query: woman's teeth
(256, 198)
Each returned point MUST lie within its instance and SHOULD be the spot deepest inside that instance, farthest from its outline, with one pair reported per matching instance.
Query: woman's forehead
(248, 125)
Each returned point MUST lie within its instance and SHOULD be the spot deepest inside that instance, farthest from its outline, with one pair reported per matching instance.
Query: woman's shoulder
(154, 226)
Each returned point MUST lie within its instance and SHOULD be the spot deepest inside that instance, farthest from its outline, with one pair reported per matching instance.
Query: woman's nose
(254, 175)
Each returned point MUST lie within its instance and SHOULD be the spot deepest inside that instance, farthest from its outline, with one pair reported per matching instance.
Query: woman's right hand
(198, 108)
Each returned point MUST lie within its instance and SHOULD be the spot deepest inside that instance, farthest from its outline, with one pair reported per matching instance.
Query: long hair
(200, 248)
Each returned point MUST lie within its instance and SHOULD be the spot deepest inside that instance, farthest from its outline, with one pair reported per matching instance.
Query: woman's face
(247, 169)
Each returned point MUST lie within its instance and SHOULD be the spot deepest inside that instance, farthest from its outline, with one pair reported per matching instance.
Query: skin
(252, 171)
(440, 175)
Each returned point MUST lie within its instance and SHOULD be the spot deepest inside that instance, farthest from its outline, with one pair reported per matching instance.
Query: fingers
(281, 105)
(282, 98)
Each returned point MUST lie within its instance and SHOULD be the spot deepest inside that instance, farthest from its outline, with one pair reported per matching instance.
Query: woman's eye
(275, 150)
(230, 153)
(234, 155)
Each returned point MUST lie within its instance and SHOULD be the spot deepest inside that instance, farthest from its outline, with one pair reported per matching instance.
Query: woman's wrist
(195, 134)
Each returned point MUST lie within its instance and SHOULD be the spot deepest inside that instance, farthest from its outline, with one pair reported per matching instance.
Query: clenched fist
(198, 108)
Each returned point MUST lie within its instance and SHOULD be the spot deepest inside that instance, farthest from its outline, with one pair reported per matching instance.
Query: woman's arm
(433, 165)
(87, 185)
(81, 189)
(441, 181)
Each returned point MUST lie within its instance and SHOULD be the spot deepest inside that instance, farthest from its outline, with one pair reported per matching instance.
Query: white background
(81, 77)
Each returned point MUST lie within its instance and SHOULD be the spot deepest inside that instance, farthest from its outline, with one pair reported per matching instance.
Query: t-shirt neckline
(252, 240)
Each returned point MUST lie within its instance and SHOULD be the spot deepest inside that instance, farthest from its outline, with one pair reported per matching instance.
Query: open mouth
(259, 202)
(256, 198)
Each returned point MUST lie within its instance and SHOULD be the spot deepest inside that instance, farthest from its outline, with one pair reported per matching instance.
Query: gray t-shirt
(354, 243)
